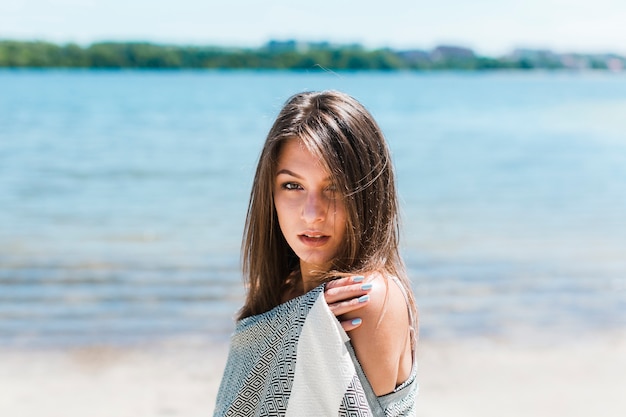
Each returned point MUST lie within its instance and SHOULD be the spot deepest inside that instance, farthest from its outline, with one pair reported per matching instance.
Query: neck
(310, 276)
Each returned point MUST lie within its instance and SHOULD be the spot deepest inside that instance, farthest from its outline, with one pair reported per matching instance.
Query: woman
(321, 240)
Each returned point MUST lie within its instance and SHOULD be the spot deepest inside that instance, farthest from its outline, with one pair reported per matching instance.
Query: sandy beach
(478, 377)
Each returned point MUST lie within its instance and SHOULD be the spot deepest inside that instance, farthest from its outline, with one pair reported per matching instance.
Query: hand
(346, 295)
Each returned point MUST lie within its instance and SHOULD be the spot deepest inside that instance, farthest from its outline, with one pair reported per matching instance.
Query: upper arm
(382, 343)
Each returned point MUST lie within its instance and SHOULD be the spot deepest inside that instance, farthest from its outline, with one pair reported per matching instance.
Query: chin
(317, 263)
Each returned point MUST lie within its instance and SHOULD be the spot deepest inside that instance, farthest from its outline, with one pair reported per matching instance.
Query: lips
(314, 239)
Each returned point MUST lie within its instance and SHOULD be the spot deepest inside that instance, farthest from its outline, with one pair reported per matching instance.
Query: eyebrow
(293, 174)
(288, 172)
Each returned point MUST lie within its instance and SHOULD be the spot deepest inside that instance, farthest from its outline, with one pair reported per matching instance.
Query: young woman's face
(311, 213)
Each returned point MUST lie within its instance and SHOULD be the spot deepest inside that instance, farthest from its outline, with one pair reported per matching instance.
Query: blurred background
(129, 134)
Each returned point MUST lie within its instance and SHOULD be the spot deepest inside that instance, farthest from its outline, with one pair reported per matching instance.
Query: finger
(340, 282)
(336, 295)
(346, 292)
(351, 324)
(348, 306)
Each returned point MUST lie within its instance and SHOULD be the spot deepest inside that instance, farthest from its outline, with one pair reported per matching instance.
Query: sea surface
(123, 196)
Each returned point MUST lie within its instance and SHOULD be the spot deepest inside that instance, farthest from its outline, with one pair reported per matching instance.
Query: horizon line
(308, 43)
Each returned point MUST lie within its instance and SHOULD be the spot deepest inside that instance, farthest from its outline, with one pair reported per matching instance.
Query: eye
(331, 190)
(291, 186)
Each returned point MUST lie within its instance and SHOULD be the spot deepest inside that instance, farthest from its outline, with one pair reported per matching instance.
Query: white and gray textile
(296, 360)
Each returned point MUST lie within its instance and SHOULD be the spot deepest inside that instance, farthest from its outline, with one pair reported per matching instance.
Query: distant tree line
(291, 55)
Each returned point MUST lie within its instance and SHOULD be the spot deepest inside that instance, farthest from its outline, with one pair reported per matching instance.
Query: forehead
(294, 154)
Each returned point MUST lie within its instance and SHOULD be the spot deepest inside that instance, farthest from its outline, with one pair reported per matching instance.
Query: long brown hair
(344, 136)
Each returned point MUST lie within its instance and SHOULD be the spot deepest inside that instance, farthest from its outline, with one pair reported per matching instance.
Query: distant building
(286, 46)
(616, 64)
(535, 58)
(575, 61)
(301, 46)
(534, 54)
(448, 52)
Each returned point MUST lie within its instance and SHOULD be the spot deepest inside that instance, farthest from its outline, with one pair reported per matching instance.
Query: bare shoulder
(382, 343)
(387, 305)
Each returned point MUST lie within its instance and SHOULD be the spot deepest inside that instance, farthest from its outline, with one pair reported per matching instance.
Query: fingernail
(364, 298)
(367, 286)
(356, 322)
(358, 279)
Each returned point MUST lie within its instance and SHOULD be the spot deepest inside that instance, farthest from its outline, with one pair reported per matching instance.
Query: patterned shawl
(296, 360)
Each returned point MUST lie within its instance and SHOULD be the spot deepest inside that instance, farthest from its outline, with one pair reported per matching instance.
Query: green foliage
(275, 55)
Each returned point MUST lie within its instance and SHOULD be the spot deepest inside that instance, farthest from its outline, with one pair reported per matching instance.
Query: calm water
(123, 196)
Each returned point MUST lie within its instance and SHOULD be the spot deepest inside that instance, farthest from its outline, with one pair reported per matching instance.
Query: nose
(315, 208)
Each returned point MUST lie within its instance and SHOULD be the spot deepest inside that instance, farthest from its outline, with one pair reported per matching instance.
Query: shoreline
(473, 377)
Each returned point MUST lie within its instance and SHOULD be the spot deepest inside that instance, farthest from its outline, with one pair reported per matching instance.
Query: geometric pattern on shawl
(292, 361)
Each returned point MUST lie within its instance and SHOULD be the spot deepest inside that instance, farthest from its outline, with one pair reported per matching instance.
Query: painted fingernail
(358, 279)
(364, 298)
(356, 322)
(367, 286)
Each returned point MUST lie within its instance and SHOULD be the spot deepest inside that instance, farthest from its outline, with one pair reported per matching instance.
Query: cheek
(282, 205)
(285, 210)
(340, 219)
(280, 210)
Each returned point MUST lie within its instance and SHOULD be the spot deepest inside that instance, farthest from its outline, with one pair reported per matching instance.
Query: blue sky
(490, 27)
